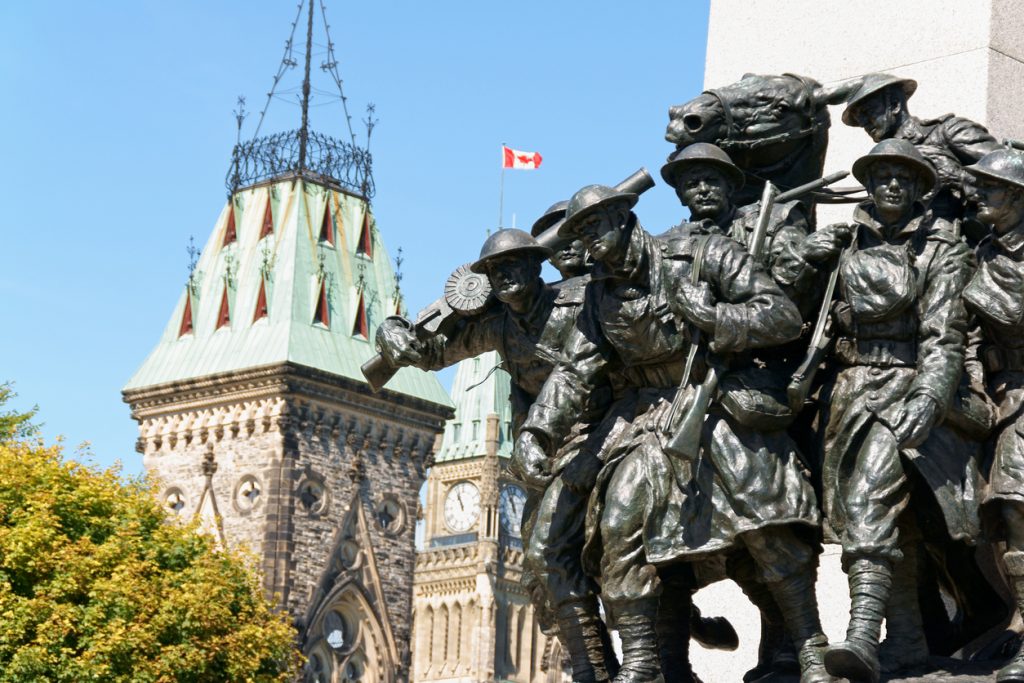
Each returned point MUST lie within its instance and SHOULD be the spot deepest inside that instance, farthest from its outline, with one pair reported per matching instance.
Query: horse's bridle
(817, 121)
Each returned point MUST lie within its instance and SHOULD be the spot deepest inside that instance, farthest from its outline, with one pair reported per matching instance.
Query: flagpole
(501, 194)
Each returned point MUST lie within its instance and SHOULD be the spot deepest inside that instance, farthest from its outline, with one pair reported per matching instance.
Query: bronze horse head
(774, 127)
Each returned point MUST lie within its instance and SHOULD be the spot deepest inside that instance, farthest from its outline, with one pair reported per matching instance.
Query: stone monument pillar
(967, 57)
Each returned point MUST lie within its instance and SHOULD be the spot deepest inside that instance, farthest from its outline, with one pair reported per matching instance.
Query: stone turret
(254, 417)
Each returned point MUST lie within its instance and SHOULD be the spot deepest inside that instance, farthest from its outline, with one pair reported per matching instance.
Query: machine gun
(684, 439)
(467, 293)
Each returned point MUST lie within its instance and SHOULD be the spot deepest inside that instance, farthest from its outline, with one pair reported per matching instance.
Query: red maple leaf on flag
(524, 159)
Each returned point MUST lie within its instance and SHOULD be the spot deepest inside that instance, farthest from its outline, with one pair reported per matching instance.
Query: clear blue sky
(118, 131)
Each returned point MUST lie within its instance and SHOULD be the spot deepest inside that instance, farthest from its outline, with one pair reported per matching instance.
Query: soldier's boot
(856, 658)
(673, 629)
(635, 620)
(799, 606)
(905, 645)
(714, 633)
(1014, 669)
(580, 630)
(775, 653)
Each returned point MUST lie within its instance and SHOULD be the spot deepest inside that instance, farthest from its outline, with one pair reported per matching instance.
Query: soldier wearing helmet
(528, 330)
(706, 180)
(896, 366)
(948, 142)
(995, 296)
(570, 257)
(651, 513)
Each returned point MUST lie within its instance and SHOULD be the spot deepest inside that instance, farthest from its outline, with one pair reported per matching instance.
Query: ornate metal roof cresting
(304, 152)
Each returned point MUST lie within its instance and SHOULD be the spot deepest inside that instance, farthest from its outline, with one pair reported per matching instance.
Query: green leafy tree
(97, 585)
(15, 425)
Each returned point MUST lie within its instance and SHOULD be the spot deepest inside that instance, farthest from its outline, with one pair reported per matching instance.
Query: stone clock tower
(473, 620)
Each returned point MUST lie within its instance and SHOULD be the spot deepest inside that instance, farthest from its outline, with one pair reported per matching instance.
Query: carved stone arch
(470, 622)
(455, 629)
(441, 638)
(555, 663)
(424, 619)
(348, 628)
(351, 587)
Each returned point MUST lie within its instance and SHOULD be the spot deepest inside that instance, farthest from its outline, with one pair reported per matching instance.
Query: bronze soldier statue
(899, 358)
(949, 142)
(995, 296)
(528, 330)
(651, 512)
(706, 181)
(569, 258)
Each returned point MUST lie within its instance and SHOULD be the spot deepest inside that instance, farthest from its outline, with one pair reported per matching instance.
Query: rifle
(467, 293)
(800, 386)
(685, 439)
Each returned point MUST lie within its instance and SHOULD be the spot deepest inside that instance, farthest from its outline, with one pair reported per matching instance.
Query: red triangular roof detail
(268, 220)
(229, 232)
(360, 327)
(327, 226)
(322, 314)
(186, 317)
(224, 315)
(365, 245)
(261, 302)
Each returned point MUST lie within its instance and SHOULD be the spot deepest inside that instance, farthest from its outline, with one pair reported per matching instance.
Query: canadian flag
(514, 158)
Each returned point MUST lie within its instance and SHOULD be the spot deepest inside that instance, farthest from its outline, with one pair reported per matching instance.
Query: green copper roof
(479, 390)
(294, 263)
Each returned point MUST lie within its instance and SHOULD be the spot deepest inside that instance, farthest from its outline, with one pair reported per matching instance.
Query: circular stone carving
(390, 515)
(174, 500)
(348, 553)
(467, 292)
(337, 632)
(313, 495)
(248, 493)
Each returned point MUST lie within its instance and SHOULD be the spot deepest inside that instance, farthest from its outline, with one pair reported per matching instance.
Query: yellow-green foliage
(97, 585)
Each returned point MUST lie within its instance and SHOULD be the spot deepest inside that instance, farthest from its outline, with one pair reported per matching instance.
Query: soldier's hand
(698, 304)
(580, 475)
(529, 462)
(823, 244)
(915, 421)
(397, 342)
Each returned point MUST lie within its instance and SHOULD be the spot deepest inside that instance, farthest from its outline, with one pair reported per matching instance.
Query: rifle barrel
(811, 186)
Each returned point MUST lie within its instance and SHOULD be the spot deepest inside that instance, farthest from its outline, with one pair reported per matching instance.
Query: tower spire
(304, 152)
(304, 130)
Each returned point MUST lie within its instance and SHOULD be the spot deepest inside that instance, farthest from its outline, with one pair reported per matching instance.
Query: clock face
(462, 506)
(510, 506)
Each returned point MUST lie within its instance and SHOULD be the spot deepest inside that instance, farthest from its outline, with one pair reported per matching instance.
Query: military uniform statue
(706, 180)
(651, 511)
(899, 358)
(528, 330)
(995, 296)
(948, 142)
